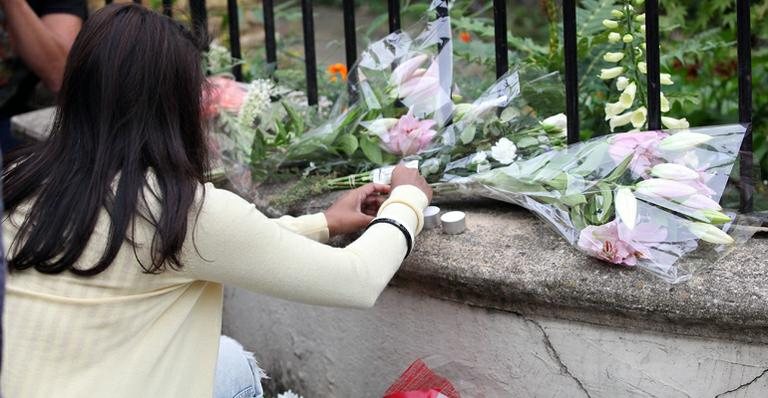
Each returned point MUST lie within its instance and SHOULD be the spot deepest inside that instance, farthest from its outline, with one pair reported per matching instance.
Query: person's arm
(42, 42)
(237, 245)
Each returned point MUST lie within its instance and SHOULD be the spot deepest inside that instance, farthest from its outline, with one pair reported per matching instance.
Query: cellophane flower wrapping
(637, 199)
(436, 376)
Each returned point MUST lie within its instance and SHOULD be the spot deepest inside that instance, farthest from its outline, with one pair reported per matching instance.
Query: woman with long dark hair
(117, 251)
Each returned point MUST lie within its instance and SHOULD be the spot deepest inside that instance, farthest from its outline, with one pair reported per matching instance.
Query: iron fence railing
(746, 180)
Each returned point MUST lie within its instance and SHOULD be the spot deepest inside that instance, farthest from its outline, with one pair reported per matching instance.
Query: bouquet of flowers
(639, 199)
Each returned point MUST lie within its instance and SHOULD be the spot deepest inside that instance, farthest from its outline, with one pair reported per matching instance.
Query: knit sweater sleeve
(235, 244)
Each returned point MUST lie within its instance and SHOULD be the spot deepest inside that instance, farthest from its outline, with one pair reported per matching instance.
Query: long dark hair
(130, 103)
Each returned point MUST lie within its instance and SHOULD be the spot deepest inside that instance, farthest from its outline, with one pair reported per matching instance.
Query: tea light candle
(453, 222)
(431, 217)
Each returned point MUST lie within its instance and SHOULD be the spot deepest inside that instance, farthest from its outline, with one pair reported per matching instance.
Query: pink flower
(223, 94)
(644, 146)
(408, 136)
(615, 243)
(418, 88)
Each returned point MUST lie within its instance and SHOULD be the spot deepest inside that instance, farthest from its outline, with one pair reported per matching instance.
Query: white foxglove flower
(617, 14)
(620, 120)
(642, 28)
(610, 24)
(674, 171)
(672, 123)
(504, 151)
(666, 79)
(626, 207)
(710, 233)
(639, 116)
(256, 101)
(622, 83)
(610, 73)
(614, 37)
(627, 38)
(613, 108)
(664, 102)
(628, 96)
(683, 140)
(613, 57)
(640, 17)
(642, 67)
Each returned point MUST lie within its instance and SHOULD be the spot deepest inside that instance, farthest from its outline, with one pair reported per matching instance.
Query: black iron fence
(746, 180)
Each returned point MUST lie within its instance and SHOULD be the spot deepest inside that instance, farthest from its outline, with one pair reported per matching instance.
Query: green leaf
(296, 121)
(468, 134)
(526, 142)
(371, 149)
(348, 144)
(620, 169)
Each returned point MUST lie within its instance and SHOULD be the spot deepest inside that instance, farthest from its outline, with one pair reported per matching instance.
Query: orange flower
(337, 69)
(465, 37)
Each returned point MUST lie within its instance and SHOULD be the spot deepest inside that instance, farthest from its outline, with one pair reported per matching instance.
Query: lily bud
(716, 217)
(683, 140)
(710, 233)
(614, 37)
(664, 188)
(701, 202)
(610, 24)
(613, 57)
(610, 73)
(674, 171)
(626, 207)
(672, 123)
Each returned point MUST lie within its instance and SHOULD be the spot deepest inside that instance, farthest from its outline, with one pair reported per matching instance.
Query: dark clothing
(17, 83)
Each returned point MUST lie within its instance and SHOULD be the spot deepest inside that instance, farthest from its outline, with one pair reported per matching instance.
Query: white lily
(674, 171)
(683, 140)
(610, 73)
(672, 123)
(710, 233)
(627, 97)
(626, 207)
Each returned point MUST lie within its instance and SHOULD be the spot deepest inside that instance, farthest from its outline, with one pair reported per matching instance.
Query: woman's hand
(406, 176)
(355, 209)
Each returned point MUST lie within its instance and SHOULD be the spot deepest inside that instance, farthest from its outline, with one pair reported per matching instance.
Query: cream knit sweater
(127, 334)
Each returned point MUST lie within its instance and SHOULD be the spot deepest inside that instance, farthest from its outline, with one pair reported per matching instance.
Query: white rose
(504, 151)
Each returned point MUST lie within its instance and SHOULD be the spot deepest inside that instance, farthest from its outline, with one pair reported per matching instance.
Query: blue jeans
(237, 373)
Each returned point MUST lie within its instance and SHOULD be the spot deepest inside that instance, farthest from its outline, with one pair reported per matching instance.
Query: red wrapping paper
(419, 381)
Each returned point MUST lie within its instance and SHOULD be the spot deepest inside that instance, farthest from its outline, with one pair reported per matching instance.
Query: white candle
(453, 222)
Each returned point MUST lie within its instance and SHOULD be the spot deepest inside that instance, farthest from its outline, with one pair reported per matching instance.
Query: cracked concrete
(744, 386)
(509, 354)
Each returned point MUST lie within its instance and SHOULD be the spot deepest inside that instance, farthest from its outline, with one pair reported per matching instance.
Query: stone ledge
(509, 260)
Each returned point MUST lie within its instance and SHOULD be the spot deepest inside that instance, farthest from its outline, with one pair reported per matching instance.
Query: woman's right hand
(406, 176)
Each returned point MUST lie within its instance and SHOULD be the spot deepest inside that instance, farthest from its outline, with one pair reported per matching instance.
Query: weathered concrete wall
(325, 352)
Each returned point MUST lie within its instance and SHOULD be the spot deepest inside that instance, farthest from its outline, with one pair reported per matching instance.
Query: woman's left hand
(355, 209)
